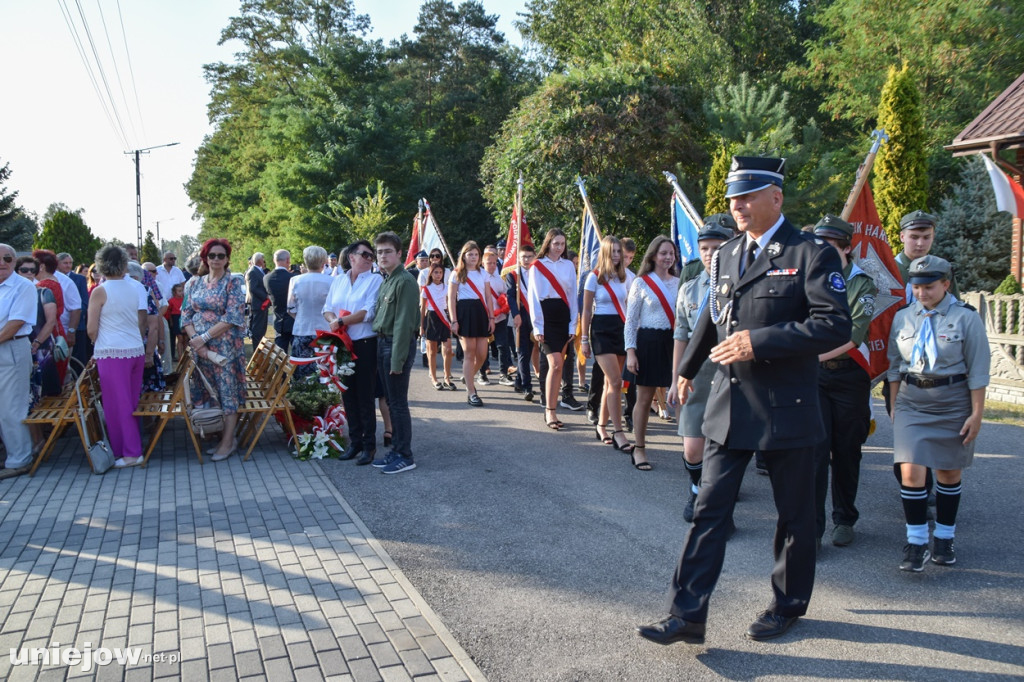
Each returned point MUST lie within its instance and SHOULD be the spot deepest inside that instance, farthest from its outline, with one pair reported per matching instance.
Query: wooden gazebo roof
(1000, 126)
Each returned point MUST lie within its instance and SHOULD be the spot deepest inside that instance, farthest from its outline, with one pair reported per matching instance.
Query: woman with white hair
(307, 294)
(117, 318)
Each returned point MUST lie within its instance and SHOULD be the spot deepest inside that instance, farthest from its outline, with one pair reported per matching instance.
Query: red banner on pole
(511, 257)
(871, 251)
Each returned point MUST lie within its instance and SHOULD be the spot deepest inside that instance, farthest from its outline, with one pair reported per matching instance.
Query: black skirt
(472, 317)
(654, 357)
(437, 330)
(606, 335)
(556, 325)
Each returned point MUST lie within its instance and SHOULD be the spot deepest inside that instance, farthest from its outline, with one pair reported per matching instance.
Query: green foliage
(366, 216)
(1009, 286)
(312, 399)
(17, 228)
(8, 207)
(755, 121)
(901, 167)
(971, 233)
(65, 230)
(715, 190)
(150, 253)
(182, 247)
(617, 126)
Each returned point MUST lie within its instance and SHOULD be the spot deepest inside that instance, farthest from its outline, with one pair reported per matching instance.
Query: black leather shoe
(671, 630)
(769, 626)
(366, 458)
(351, 451)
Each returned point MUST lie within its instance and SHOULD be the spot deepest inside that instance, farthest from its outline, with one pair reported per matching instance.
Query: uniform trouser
(15, 370)
(524, 352)
(396, 390)
(596, 389)
(257, 326)
(360, 404)
(792, 478)
(844, 394)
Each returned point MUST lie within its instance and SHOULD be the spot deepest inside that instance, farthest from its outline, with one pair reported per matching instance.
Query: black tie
(750, 256)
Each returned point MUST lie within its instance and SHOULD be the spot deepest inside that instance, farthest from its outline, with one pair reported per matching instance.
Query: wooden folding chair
(165, 409)
(259, 410)
(58, 412)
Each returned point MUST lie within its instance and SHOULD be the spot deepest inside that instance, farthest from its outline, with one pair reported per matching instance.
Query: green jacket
(398, 314)
(860, 294)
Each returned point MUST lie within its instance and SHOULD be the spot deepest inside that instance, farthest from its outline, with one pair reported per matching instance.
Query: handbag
(205, 420)
(101, 457)
(61, 352)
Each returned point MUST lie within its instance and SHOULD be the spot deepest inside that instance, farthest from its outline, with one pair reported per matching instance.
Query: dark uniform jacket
(276, 282)
(792, 299)
(257, 290)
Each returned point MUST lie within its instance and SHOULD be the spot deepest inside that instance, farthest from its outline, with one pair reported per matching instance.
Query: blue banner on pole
(590, 247)
(684, 232)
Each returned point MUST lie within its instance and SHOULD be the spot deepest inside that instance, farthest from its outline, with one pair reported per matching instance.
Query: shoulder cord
(718, 316)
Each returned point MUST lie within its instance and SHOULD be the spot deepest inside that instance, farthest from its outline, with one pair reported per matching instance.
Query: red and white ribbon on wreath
(326, 355)
(333, 421)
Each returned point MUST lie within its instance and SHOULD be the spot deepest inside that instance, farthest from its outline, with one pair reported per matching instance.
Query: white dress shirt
(644, 309)
(166, 280)
(72, 299)
(352, 296)
(306, 297)
(603, 304)
(540, 288)
(18, 302)
(498, 287)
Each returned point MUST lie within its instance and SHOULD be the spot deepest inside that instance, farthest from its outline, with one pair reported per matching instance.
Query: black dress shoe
(769, 626)
(351, 451)
(366, 458)
(671, 630)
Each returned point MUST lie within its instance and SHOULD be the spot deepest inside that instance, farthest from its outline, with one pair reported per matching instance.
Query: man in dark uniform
(778, 300)
(258, 300)
(844, 389)
(276, 283)
(519, 313)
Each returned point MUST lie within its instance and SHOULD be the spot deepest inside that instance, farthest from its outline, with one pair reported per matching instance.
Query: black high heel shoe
(642, 466)
(607, 440)
(627, 448)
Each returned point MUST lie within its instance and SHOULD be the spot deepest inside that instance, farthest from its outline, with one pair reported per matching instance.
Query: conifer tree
(901, 168)
(715, 192)
(971, 233)
(65, 230)
(150, 253)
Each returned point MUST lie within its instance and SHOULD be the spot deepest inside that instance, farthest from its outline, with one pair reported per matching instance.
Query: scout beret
(927, 269)
(916, 220)
(833, 227)
(721, 220)
(752, 174)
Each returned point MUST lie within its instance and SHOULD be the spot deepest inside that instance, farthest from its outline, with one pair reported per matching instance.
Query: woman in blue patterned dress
(213, 318)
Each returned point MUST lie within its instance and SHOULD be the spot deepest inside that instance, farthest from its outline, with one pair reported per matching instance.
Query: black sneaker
(914, 557)
(482, 378)
(943, 553)
(528, 396)
(506, 380)
(591, 416)
(688, 511)
(570, 403)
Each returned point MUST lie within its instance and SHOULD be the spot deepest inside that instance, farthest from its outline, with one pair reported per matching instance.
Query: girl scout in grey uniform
(690, 303)
(938, 370)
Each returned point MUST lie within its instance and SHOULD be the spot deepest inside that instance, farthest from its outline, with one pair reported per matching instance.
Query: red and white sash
(656, 288)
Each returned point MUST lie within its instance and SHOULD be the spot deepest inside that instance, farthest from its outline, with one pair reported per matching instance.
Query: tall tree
(65, 230)
(901, 167)
(17, 228)
(619, 127)
(971, 233)
(150, 252)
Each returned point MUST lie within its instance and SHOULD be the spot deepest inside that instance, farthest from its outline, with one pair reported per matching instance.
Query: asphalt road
(542, 551)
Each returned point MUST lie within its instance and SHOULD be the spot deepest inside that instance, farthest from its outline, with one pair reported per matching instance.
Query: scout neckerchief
(925, 346)
(664, 301)
(554, 281)
(437, 309)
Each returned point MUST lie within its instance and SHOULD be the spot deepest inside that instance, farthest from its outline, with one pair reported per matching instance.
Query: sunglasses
(8, 259)
(436, 256)
(367, 255)
(216, 255)
(28, 271)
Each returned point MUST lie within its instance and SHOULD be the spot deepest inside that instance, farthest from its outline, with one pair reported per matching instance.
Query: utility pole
(159, 242)
(138, 188)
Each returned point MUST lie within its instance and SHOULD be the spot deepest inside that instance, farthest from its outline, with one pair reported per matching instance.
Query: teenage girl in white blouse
(649, 335)
(603, 334)
(553, 317)
(470, 299)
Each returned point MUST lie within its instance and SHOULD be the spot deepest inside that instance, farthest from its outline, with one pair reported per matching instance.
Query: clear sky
(53, 130)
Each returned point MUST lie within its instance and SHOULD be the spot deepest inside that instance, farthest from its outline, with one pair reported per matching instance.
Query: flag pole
(519, 245)
(879, 136)
(683, 199)
(419, 222)
(581, 183)
(439, 234)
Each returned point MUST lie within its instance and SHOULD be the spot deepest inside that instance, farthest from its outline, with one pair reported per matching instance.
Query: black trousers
(360, 401)
(596, 389)
(792, 478)
(257, 326)
(524, 352)
(844, 394)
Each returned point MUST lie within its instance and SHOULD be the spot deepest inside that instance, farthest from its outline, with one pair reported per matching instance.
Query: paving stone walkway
(230, 570)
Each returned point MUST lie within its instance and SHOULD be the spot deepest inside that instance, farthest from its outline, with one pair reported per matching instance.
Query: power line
(117, 72)
(131, 70)
(88, 70)
(99, 68)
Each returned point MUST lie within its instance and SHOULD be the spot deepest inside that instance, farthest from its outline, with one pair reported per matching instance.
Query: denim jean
(396, 390)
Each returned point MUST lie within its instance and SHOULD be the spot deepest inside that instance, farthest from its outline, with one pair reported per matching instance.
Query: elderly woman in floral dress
(213, 318)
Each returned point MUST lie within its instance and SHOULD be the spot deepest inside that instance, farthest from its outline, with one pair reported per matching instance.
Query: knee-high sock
(947, 502)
